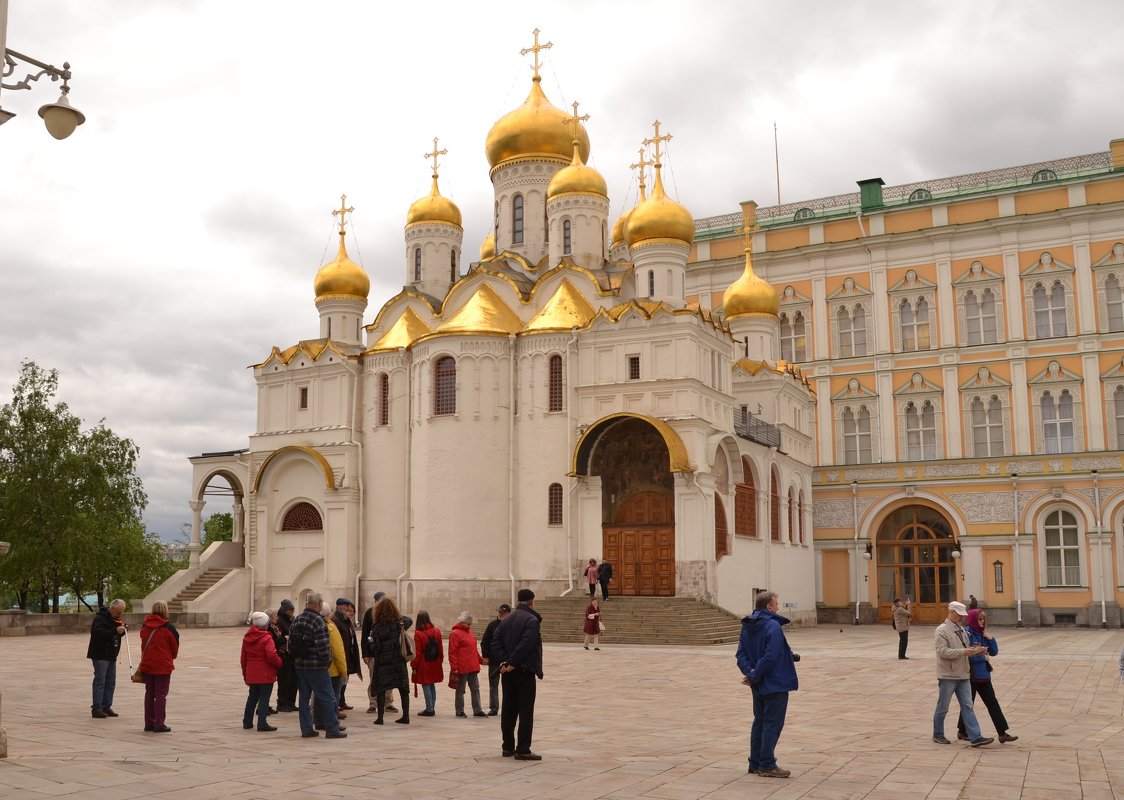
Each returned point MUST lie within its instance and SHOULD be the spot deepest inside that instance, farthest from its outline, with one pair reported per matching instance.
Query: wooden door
(641, 546)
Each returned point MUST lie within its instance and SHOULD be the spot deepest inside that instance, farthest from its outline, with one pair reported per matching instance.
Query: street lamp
(869, 554)
(60, 117)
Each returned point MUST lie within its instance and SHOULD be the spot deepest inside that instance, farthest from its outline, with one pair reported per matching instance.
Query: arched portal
(634, 461)
(915, 562)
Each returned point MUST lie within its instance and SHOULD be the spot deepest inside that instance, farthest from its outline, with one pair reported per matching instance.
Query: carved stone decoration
(1023, 467)
(1104, 462)
(952, 471)
(837, 513)
(1056, 465)
(985, 507)
(871, 474)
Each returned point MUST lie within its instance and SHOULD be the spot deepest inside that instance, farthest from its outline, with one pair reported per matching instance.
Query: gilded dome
(577, 178)
(342, 276)
(536, 128)
(750, 294)
(659, 217)
(616, 237)
(488, 248)
(434, 208)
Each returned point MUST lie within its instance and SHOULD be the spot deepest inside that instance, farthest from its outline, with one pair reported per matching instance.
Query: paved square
(628, 722)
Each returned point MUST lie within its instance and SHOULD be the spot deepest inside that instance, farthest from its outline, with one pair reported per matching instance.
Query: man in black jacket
(493, 663)
(286, 676)
(517, 645)
(344, 618)
(604, 575)
(105, 643)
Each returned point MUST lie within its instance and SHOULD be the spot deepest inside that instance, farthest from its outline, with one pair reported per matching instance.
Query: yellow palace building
(965, 341)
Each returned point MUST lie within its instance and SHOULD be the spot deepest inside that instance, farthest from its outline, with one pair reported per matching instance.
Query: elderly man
(105, 642)
(517, 646)
(312, 655)
(286, 676)
(493, 663)
(952, 675)
(344, 619)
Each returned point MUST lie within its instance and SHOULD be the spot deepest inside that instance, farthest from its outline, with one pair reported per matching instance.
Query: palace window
(852, 331)
(567, 239)
(517, 219)
(302, 517)
(554, 393)
(980, 317)
(793, 337)
(302, 398)
(792, 515)
(774, 508)
(1049, 311)
(445, 386)
(1057, 422)
(1114, 303)
(554, 504)
(857, 437)
(915, 324)
(745, 503)
(987, 428)
(920, 431)
(417, 263)
(1063, 551)
(384, 399)
(453, 266)
(1118, 413)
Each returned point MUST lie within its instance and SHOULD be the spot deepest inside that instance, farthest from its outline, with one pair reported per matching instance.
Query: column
(883, 343)
(1094, 402)
(196, 528)
(946, 303)
(954, 438)
(239, 514)
(888, 441)
(820, 325)
(1020, 408)
(1013, 295)
(1084, 285)
(823, 422)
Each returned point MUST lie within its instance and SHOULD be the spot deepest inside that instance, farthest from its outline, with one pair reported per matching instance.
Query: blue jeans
(105, 681)
(318, 710)
(258, 698)
(768, 720)
(316, 682)
(946, 688)
(429, 693)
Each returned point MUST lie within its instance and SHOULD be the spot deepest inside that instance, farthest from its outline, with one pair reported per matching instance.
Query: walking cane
(129, 651)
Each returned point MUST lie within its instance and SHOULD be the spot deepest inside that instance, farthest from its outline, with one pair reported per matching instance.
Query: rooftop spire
(342, 212)
(433, 155)
(535, 48)
(657, 189)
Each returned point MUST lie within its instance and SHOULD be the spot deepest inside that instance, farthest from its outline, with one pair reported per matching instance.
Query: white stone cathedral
(496, 429)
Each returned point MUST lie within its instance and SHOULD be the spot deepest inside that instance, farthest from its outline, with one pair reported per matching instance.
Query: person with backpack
(310, 646)
(426, 668)
(464, 662)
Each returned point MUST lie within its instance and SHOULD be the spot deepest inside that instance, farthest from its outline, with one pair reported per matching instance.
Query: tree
(218, 528)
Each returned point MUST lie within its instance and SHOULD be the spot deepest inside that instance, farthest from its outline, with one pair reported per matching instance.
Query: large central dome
(536, 128)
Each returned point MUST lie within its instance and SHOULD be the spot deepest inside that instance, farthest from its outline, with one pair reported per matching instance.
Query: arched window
(915, 324)
(987, 428)
(792, 515)
(517, 219)
(803, 214)
(1063, 549)
(1057, 422)
(857, 437)
(745, 503)
(1114, 303)
(793, 338)
(721, 533)
(979, 317)
(651, 283)
(554, 393)
(417, 263)
(1044, 176)
(918, 195)
(852, 331)
(302, 517)
(774, 508)
(453, 265)
(554, 504)
(604, 239)
(384, 399)
(566, 237)
(445, 386)
(920, 431)
(1049, 311)
(1118, 411)
(800, 511)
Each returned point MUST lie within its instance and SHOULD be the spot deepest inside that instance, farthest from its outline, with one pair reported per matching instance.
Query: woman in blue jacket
(980, 670)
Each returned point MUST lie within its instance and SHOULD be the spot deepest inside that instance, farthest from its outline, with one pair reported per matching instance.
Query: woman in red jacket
(464, 662)
(592, 626)
(260, 662)
(427, 671)
(160, 644)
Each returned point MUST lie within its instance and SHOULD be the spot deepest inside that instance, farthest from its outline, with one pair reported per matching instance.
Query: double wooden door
(641, 546)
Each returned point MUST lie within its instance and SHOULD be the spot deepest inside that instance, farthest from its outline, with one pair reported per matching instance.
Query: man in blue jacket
(767, 662)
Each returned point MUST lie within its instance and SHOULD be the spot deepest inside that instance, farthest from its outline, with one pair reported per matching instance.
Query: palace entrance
(914, 560)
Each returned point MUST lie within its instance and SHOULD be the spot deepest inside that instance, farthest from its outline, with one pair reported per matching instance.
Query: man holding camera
(903, 613)
(953, 650)
(769, 669)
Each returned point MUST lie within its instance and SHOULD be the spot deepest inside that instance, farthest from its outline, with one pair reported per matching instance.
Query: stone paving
(627, 722)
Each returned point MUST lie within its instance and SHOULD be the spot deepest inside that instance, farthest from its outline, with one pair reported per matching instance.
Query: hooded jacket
(427, 672)
(160, 644)
(260, 660)
(764, 656)
(464, 657)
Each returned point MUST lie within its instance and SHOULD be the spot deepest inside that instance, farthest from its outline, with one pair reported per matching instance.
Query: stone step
(641, 620)
(196, 588)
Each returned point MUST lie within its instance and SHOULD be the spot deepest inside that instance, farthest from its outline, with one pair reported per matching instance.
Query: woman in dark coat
(389, 666)
(592, 626)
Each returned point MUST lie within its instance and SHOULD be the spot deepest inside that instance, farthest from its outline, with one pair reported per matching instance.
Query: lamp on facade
(60, 117)
(955, 548)
(869, 554)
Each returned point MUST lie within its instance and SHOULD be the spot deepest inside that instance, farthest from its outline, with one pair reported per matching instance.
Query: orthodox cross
(642, 165)
(435, 153)
(656, 141)
(342, 211)
(535, 48)
(573, 120)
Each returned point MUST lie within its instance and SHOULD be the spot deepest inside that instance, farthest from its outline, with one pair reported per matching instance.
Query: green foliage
(218, 528)
(70, 502)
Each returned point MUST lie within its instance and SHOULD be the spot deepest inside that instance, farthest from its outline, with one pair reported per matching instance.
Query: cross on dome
(655, 140)
(573, 120)
(535, 48)
(642, 165)
(434, 154)
(342, 212)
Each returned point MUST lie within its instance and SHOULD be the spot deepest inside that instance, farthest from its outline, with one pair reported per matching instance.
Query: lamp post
(60, 117)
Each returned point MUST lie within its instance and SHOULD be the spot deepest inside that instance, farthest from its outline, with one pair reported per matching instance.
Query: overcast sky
(172, 240)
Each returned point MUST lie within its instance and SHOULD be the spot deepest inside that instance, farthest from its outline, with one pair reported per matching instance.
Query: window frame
(1049, 273)
(444, 386)
(556, 383)
(1069, 569)
(384, 399)
(567, 237)
(1056, 380)
(417, 263)
(518, 218)
(555, 505)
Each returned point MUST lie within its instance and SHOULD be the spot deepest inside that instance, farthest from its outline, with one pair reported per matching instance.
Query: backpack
(432, 649)
(298, 645)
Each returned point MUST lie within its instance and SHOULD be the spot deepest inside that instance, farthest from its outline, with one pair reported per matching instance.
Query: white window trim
(793, 302)
(917, 391)
(1111, 264)
(983, 385)
(1046, 274)
(912, 288)
(1110, 406)
(1082, 563)
(855, 396)
(1055, 380)
(977, 279)
(849, 295)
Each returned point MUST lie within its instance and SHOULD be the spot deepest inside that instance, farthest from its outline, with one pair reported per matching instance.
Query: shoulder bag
(138, 676)
(406, 642)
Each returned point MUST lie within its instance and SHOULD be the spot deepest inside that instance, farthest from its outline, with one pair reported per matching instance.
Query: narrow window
(721, 533)
(920, 431)
(792, 516)
(786, 337)
(554, 504)
(453, 266)
(329, 327)
(858, 322)
(517, 219)
(846, 333)
(554, 399)
(973, 325)
(1049, 311)
(989, 321)
(800, 510)
(745, 503)
(866, 451)
(909, 326)
(1063, 551)
(1114, 303)
(384, 399)
(634, 368)
(921, 320)
(1118, 408)
(604, 239)
(417, 263)
(987, 428)
(799, 338)
(651, 283)
(774, 509)
(856, 437)
(302, 398)
(566, 237)
(445, 386)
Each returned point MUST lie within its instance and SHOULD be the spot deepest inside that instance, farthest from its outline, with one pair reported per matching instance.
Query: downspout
(511, 469)
(1018, 556)
(855, 517)
(859, 218)
(407, 484)
(357, 440)
(571, 369)
(1100, 546)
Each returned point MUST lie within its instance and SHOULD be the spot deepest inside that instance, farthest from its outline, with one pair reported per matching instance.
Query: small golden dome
(659, 217)
(616, 237)
(750, 294)
(434, 208)
(342, 276)
(577, 178)
(488, 248)
(536, 128)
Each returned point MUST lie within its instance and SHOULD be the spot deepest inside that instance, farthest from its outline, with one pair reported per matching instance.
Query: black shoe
(507, 753)
(377, 721)
(461, 714)
(426, 713)
(166, 729)
(270, 711)
(1006, 737)
(247, 725)
(285, 708)
(97, 713)
(148, 728)
(265, 728)
(309, 734)
(528, 757)
(941, 740)
(337, 735)
(493, 713)
(109, 712)
(903, 658)
(980, 742)
(403, 720)
(479, 714)
(390, 707)
(962, 736)
(597, 648)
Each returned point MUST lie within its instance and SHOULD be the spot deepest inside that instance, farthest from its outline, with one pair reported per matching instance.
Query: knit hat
(287, 605)
(259, 619)
(525, 595)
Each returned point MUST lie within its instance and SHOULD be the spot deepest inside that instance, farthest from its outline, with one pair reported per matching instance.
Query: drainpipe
(1100, 546)
(408, 509)
(511, 470)
(571, 370)
(855, 517)
(356, 439)
(1018, 556)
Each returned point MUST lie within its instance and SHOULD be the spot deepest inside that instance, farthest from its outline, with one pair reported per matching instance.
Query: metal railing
(757, 430)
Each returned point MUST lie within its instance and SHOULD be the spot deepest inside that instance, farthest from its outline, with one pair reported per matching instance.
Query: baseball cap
(504, 608)
(343, 601)
(959, 608)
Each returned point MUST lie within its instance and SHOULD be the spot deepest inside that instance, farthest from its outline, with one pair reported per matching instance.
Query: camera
(795, 657)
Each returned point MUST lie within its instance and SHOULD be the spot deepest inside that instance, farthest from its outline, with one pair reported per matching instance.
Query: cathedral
(497, 424)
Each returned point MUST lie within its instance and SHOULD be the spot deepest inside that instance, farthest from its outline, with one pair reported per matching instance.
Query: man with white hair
(952, 675)
(105, 643)
(308, 644)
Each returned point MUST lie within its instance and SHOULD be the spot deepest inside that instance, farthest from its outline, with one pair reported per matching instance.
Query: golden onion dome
(536, 128)
(342, 277)
(616, 236)
(434, 208)
(577, 178)
(659, 217)
(750, 294)
(488, 248)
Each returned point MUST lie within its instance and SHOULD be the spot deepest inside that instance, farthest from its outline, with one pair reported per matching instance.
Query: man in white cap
(952, 676)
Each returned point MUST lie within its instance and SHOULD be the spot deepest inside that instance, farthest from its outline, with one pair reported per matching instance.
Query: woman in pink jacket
(464, 662)
(260, 662)
(591, 576)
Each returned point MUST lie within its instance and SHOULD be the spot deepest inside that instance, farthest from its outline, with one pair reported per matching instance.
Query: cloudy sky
(172, 240)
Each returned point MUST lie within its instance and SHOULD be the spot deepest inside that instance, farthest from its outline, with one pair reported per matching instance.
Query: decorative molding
(952, 470)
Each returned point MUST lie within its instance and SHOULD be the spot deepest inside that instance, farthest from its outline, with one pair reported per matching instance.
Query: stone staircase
(207, 579)
(640, 620)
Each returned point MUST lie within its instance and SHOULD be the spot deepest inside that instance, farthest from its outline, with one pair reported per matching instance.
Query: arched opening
(745, 503)
(721, 533)
(914, 561)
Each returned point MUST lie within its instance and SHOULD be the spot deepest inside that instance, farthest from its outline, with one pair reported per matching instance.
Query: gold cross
(656, 141)
(342, 211)
(573, 120)
(535, 48)
(434, 155)
(642, 165)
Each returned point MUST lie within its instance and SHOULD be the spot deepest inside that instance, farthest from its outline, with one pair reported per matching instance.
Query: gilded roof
(310, 349)
(404, 332)
(566, 309)
(484, 313)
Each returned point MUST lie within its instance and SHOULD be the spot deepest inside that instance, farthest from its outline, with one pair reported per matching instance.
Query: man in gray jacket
(952, 676)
